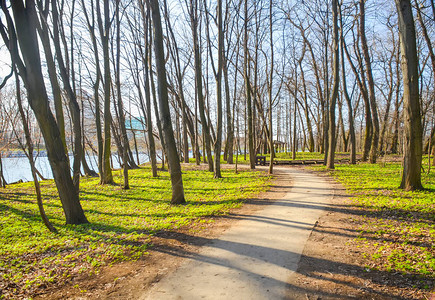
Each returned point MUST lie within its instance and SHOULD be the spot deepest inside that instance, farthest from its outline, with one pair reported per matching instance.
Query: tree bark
(172, 155)
(411, 178)
(221, 53)
(336, 72)
(51, 68)
(147, 108)
(347, 97)
(124, 137)
(429, 43)
(248, 91)
(363, 88)
(371, 86)
(106, 177)
(72, 99)
(96, 86)
(270, 87)
(198, 82)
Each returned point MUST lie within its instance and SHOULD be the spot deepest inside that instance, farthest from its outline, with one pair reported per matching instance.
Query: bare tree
(171, 148)
(336, 72)
(23, 31)
(346, 95)
(106, 177)
(29, 155)
(72, 98)
(371, 85)
(120, 103)
(91, 25)
(246, 75)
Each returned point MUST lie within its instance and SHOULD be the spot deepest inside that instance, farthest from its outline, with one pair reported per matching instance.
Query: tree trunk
(411, 179)
(106, 176)
(363, 88)
(371, 85)
(165, 114)
(29, 143)
(335, 70)
(429, 43)
(146, 107)
(230, 130)
(221, 53)
(347, 97)
(72, 100)
(271, 146)
(153, 91)
(51, 68)
(3, 182)
(124, 138)
(248, 92)
(198, 82)
(30, 70)
(307, 111)
(96, 88)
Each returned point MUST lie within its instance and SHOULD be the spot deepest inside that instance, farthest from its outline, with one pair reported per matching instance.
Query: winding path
(255, 258)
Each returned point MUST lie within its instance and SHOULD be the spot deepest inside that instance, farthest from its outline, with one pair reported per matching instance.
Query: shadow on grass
(320, 269)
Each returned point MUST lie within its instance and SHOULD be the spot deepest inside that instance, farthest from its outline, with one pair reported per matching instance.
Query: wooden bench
(260, 160)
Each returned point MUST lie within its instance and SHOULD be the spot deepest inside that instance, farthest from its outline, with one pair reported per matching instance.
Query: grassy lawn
(398, 229)
(278, 156)
(281, 156)
(121, 223)
(288, 156)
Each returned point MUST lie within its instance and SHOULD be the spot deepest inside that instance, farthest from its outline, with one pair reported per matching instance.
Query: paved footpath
(257, 256)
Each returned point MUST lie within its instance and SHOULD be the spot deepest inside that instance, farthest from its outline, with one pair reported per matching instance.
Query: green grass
(299, 155)
(241, 160)
(399, 225)
(121, 223)
(288, 156)
(278, 156)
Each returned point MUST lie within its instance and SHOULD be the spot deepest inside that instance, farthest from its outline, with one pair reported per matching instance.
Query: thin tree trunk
(146, 74)
(230, 130)
(29, 155)
(306, 110)
(153, 91)
(221, 53)
(124, 137)
(106, 177)
(271, 146)
(248, 92)
(173, 161)
(363, 88)
(51, 68)
(371, 85)
(72, 100)
(96, 87)
(347, 97)
(198, 81)
(336, 71)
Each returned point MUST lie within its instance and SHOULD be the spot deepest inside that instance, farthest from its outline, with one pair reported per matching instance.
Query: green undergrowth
(398, 227)
(278, 156)
(299, 156)
(121, 223)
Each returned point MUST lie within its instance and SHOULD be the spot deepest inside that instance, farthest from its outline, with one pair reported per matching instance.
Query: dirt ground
(331, 267)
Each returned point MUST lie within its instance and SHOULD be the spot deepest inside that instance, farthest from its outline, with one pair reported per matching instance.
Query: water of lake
(18, 168)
